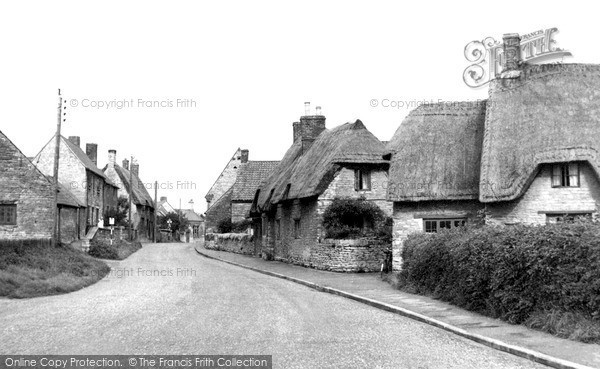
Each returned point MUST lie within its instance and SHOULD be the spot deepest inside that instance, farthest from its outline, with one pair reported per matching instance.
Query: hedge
(513, 272)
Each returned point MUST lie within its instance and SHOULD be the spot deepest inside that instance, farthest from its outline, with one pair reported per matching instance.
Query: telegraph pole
(56, 230)
(130, 198)
(155, 209)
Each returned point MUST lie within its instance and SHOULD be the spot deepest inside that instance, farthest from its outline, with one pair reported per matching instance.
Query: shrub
(351, 218)
(119, 250)
(224, 225)
(241, 226)
(514, 273)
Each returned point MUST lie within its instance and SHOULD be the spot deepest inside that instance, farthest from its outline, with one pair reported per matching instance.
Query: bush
(224, 225)
(241, 226)
(514, 273)
(119, 250)
(352, 218)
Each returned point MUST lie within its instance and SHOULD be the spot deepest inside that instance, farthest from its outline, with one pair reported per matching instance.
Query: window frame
(435, 224)
(560, 176)
(12, 213)
(362, 180)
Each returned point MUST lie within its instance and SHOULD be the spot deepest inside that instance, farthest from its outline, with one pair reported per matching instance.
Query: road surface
(167, 299)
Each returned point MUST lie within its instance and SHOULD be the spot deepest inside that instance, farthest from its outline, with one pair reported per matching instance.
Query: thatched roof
(551, 113)
(249, 177)
(310, 173)
(435, 153)
(140, 193)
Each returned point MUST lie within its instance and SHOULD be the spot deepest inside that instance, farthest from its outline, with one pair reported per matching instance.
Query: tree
(178, 223)
(120, 213)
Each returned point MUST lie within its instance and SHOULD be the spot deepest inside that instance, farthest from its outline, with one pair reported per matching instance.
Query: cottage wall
(226, 178)
(240, 210)
(541, 198)
(69, 224)
(22, 184)
(408, 218)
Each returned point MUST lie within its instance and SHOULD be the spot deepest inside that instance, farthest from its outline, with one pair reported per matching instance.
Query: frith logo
(488, 56)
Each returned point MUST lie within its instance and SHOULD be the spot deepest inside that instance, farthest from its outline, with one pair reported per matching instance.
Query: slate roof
(250, 176)
(85, 160)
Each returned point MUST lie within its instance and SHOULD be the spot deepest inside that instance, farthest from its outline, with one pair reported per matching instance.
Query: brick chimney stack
(112, 158)
(244, 155)
(75, 140)
(126, 164)
(91, 150)
(135, 169)
(308, 128)
(511, 57)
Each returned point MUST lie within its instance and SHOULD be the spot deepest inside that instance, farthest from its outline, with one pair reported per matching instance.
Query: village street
(215, 308)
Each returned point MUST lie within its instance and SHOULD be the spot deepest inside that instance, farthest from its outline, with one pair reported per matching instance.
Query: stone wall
(23, 185)
(541, 198)
(239, 243)
(358, 255)
(240, 210)
(408, 218)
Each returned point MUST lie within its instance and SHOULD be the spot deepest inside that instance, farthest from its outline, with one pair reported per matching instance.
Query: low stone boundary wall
(239, 243)
(352, 255)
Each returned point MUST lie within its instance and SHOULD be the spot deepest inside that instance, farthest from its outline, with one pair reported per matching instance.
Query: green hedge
(513, 272)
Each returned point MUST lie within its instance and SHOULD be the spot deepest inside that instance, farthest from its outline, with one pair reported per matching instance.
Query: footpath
(368, 288)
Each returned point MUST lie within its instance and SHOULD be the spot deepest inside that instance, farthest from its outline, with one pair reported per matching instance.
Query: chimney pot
(126, 164)
(75, 140)
(91, 150)
(307, 108)
(135, 169)
(318, 110)
(163, 198)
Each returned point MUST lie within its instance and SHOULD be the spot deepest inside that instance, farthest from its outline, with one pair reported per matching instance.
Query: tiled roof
(250, 175)
(85, 160)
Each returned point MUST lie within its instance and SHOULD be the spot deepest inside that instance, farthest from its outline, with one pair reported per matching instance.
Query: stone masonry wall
(240, 210)
(68, 224)
(541, 197)
(408, 218)
(239, 243)
(21, 183)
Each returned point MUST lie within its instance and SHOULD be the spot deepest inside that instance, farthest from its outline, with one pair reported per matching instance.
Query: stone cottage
(529, 154)
(129, 184)
(321, 164)
(79, 173)
(26, 196)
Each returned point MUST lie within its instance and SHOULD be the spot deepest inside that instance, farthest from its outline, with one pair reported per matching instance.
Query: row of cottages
(322, 164)
(87, 185)
(196, 221)
(230, 197)
(132, 188)
(529, 154)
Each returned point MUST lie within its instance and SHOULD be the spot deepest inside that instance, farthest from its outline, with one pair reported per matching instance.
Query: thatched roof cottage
(529, 154)
(321, 164)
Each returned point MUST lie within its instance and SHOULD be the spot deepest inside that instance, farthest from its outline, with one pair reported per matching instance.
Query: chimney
(309, 128)
(112, 158)
(91, 150)
(511, 59)
(75, 140)
(244, 154)
(191, 204)
(135, 169)
(126, 164)
(307, 108)
(163, 199)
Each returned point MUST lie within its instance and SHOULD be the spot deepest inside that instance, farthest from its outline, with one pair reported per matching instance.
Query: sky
(180, 85)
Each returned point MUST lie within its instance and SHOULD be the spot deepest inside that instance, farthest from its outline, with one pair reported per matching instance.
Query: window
(278, 228)
(8, 214)
(362, 180)
(565, 175)
(433, 225)
(566, 217)
(297, 229)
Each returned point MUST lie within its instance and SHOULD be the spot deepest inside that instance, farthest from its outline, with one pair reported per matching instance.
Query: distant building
(250, 176)
(130, 184)
(163, 207)
(79, 173)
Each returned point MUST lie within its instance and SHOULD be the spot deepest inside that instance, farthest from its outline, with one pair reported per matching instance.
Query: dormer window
(565, 175)
(362, 180)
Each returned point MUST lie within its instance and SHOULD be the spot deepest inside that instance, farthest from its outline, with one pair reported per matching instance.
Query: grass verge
(34, 268)
(119, 250)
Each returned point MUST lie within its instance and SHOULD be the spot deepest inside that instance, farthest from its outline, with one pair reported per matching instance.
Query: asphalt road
(167, 299)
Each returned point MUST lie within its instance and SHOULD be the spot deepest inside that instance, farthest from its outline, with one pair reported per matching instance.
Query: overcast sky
(246, 68)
